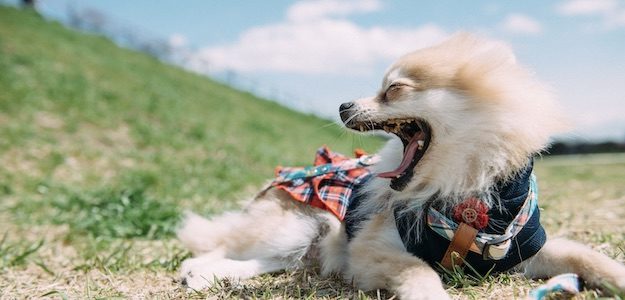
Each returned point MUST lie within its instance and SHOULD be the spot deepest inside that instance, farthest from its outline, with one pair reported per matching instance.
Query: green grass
(102, 148)
(17, 253)
(121, 214)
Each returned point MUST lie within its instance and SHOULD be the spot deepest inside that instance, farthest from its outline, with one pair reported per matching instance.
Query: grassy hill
(102, 148)
(78, 112)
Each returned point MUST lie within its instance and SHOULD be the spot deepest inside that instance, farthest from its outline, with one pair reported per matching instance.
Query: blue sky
(314, 55)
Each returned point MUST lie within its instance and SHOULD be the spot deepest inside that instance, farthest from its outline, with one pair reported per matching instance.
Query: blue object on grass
(568, 282)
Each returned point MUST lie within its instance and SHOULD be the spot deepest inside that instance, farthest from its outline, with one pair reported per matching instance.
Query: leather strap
(459, 246)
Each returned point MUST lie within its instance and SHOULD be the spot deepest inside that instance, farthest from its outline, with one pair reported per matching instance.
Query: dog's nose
(346, 106)
(345, 110)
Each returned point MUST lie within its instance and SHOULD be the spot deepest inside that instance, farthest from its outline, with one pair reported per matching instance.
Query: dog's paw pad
(195, 283)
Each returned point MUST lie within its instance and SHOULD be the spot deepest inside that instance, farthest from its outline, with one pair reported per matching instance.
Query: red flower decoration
(473, 212)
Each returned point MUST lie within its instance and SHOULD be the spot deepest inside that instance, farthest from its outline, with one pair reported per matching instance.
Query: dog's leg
(272, 233)
(201, 272)
(333, 248)
(563, 256)
(379, 260)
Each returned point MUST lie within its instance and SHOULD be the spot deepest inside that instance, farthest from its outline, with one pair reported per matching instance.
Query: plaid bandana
(491, 246)
(329, 183)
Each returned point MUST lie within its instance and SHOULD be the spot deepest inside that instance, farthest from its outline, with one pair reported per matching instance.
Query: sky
(313, 55)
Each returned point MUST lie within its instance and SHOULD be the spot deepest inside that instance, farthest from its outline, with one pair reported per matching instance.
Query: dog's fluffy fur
(488, 116)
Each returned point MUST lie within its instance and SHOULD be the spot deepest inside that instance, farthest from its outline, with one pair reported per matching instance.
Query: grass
(15, 254)
(124, 213)
(102, 148)
(119, 214)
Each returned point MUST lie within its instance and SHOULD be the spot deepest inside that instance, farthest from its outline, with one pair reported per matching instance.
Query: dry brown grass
(582, 206)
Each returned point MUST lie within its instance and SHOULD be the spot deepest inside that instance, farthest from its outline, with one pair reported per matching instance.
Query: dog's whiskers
(353, 117)
(371, 122)
(329, 124)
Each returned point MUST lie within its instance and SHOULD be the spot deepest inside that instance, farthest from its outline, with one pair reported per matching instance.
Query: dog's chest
(424, 242)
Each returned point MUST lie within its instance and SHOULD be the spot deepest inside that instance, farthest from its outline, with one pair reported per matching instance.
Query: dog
(466, 121)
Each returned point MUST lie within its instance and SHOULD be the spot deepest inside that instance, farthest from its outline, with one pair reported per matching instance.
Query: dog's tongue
(409, 154)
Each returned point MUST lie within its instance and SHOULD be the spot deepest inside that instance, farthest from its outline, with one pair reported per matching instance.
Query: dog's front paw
(195, 275)
(422, 292)
(420, 283)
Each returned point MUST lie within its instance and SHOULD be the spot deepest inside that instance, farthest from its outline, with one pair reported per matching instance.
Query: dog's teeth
(420, 143)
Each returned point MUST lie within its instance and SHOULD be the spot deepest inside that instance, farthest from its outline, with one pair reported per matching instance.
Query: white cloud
(521, 24)
(611, 13)
(619, 18)
(317, 9)
(326, 46)
(317, 43)
(586, 7)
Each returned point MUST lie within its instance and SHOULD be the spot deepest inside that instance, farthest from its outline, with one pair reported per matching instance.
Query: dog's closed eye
(395, 90)
(395, 86)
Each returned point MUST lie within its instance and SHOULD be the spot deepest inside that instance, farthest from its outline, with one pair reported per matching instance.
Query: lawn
(102, 148)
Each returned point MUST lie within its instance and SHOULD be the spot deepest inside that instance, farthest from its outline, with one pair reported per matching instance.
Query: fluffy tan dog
(468, 120)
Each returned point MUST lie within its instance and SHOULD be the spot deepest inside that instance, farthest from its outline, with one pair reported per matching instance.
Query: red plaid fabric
(326, 190)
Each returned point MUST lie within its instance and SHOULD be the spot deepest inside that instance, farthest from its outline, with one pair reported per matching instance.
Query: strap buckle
(498, 240)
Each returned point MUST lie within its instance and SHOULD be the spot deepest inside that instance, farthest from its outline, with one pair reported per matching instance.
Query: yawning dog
(453, 187)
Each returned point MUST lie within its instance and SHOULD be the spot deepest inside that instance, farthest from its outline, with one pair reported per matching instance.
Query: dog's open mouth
(415, 135)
